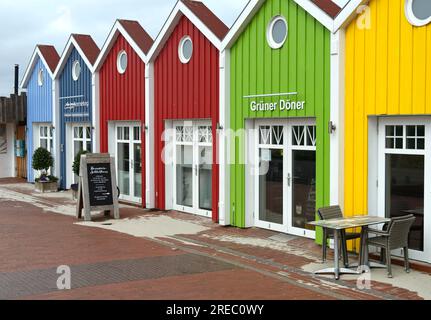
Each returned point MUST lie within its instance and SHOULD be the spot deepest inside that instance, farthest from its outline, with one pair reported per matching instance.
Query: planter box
(46, 187)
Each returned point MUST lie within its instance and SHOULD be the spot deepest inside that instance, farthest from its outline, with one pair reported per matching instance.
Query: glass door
(286, 176)
(404, 155)
(193, 168)
(81, 142)
(302, 181)
(129, 162)
(271, 175)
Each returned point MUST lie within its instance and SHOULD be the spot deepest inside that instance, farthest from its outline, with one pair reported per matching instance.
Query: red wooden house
(120, 104)
(185, 65)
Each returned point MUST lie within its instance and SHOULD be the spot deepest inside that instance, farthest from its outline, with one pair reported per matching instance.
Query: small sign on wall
(97, 184)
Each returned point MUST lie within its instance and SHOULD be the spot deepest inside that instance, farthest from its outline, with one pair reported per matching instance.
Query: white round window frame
(411, 16)
(40, 78)
(120, 69)
(183, 59)
(75, 75)
(269, 31)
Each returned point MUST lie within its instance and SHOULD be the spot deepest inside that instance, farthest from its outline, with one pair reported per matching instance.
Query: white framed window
(408, 137)
(276, 33)
(40, 78)
(185, 49)
(122, 62)
(46, 138)
(304, 136)
(418, 12)
(76, 70)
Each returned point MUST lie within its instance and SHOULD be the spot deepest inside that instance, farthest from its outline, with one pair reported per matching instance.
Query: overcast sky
(25, 23)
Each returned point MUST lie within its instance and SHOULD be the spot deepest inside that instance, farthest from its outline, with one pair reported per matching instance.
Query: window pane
(399, 143)
(390, 143)
(205, 178)
(271, 186)
(421, 144)
(88, 131)
(390, 131)
(137, 133)
(137, 169)
(411, 143)
(124, 168)
(279, 31)
(126, 133)
(411, 131)
(304, 188)
(421, 131)
(399, 131)
(405, 193)
(184, 166)
(44, 143)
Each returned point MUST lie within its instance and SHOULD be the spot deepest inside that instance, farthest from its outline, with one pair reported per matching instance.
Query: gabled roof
(203, 18)
(49, 57)
(208, 17)
(135, 35)
(86, 47)
(329, 7)
(327, 12)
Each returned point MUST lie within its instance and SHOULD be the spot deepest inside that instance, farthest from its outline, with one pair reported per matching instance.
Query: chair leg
(389, 262)
(324, 245)
(382, 256)
(406, 259)
(344, 248)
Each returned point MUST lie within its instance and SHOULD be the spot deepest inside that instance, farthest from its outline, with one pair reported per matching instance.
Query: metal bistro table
(337, 225)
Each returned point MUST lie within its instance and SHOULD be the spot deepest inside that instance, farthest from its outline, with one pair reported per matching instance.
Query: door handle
(196, 170)
(289, 179)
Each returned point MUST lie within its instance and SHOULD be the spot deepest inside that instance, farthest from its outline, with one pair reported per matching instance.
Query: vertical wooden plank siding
(39, 109)
(122, 96)
(302, 65)
(70, 88)
(185, 91)
(388, 72)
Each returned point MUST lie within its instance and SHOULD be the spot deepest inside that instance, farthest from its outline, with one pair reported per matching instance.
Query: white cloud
(63, 22)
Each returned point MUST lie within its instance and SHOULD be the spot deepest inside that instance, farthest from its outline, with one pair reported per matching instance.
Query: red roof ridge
(88, 46)
(138, 34)
(50, 55)
(329, 7)
(207, 17)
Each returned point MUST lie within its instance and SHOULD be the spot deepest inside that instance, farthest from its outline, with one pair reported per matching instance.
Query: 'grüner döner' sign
(282, 105)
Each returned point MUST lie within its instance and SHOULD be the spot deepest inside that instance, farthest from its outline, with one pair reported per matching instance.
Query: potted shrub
(75, 168)
(42, 161)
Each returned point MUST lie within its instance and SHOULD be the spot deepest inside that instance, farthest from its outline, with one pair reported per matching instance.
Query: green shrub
(77, 162)
(42, 161)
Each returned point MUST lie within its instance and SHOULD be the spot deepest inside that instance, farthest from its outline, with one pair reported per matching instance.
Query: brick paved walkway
(115, 265)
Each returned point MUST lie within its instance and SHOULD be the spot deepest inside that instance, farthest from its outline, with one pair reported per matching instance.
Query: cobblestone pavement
(127, 260)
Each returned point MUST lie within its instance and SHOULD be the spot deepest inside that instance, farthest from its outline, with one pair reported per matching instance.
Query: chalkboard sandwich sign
(97, 184)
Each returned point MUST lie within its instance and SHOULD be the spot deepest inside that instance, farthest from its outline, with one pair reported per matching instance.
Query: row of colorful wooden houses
(328, 102)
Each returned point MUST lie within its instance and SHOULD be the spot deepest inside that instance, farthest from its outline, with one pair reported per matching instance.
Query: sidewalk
(166, 255)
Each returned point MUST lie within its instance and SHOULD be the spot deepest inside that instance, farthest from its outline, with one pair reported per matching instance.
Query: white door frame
(37, 138)
(288, 149)
(195, 144)
(70, 147)
(131, 141)
(381, 203)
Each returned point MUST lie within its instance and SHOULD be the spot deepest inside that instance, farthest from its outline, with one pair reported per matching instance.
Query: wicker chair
(394, 236)
(335, 212)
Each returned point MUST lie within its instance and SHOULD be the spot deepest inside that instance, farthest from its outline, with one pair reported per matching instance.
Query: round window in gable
(122, 62)
(418, 12)
(185, 49)
(40, 78)
(276, 33)
(76, 70)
